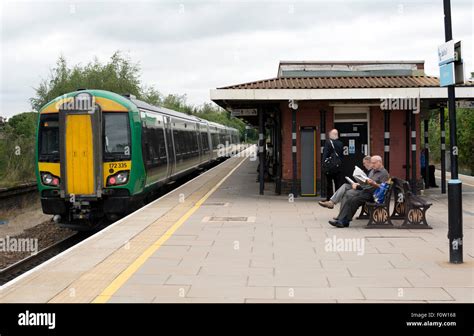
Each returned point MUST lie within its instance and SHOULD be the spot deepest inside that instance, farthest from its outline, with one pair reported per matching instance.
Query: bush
(465, 130)
(17, 150)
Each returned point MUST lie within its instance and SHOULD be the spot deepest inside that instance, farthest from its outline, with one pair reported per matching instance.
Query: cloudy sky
(189, 47)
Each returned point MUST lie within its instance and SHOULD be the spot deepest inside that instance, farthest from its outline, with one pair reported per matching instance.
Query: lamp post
(455, 234)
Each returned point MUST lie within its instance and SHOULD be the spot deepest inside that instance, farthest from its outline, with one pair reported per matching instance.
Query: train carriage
(102, 154)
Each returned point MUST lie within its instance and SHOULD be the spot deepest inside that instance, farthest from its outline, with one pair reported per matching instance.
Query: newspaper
(360, 175)
(350, 180)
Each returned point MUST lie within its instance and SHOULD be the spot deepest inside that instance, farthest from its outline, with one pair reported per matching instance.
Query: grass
(17, 162)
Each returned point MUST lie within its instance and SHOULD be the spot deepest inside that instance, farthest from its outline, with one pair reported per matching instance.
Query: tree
(118, 75)
(465, 123)
(151, 95)
(178, 103)
(121, 75)
(17, 149)
(23, 124)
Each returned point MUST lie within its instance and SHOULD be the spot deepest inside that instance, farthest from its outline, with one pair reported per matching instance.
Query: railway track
(11, 272)
(18, 190)
(14, 270)
(17, 196)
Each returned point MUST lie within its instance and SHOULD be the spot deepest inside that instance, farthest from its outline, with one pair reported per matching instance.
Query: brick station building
(377, 106)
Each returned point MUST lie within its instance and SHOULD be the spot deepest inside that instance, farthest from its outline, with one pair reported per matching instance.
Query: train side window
(215, 140)
(204, 141)
(194, 138)
(180, 147)
(192, 141)
(153, 139)
(146, 145)
(161, 145)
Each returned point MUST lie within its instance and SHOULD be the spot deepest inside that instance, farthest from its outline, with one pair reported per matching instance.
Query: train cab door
(81, 151)
(170, 146)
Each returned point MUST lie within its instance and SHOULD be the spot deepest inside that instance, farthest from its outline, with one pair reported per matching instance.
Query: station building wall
(308, 114)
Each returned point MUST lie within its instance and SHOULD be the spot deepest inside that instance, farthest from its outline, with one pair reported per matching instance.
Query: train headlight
(49, 179)
(118, 179)
(122, 177)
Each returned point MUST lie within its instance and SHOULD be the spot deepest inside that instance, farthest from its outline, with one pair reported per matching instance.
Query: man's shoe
(339, 224)
(343, 223)
(333, 222)
(327, 204)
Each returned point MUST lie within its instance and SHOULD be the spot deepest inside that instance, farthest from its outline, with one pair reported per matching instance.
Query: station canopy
(341, 81)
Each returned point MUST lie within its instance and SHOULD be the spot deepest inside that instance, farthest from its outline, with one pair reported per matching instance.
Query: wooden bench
(364, 212)
(415, 209)
(407, 207)
(379, 213)
(399, 208)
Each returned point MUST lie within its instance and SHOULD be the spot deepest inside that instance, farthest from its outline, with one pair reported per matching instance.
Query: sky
(189, 47)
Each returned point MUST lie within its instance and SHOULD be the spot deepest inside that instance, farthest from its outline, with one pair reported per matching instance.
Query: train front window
(48, 138)
(116, 136)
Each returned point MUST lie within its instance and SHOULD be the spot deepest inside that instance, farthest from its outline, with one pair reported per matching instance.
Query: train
(100, 154)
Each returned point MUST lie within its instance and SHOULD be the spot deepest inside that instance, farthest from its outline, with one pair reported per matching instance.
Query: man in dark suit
(333, 146)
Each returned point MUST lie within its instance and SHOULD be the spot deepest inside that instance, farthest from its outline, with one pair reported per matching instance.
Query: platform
(214, 239)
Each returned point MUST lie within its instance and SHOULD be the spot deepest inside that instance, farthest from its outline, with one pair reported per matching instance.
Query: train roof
(164, 110)
(212, 123)
(126, 102)
(146, 106)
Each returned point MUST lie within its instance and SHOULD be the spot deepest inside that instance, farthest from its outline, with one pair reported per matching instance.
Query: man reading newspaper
(361, 192)
(339, 194)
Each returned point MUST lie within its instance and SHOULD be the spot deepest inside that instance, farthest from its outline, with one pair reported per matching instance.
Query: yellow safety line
(119, 281)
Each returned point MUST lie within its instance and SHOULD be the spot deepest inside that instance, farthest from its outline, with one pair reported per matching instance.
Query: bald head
(376, 158)
(333, 134)
(376, 162)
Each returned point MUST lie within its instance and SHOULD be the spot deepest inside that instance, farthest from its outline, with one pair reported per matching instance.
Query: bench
(399, 208)
(364, 212)
(399, 201)
(415, 209)
(407, 207)
(379, 213)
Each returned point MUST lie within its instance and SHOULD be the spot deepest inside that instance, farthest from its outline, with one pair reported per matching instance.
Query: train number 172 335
(118, 165)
